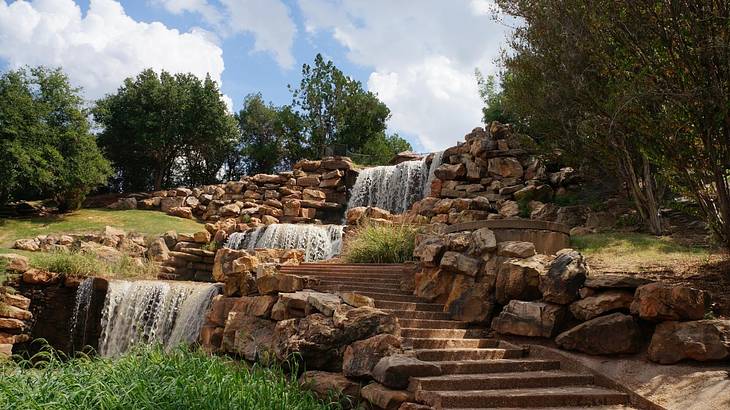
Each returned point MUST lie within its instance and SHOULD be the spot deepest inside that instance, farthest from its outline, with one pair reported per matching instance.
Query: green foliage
(381, 149)
(524, 208)
(375, 243)
(165, 130)
(150, 378)
(45, 143)
(82, 264)
(336, 110)
(493, 109)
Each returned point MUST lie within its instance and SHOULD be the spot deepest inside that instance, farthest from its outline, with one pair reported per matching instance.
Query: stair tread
(504, 375)
(536, 392)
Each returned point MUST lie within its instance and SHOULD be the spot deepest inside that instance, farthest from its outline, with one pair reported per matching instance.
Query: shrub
(86, 264)
(148, 377)
(373, 243)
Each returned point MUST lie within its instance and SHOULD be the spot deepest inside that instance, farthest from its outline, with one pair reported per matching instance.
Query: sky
(418, 56)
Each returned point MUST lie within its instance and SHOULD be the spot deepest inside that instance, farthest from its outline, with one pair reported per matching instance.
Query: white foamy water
(318, 242)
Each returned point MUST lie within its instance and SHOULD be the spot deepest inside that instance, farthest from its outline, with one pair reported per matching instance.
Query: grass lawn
(150, 378)
(634, 252)
(91, 220)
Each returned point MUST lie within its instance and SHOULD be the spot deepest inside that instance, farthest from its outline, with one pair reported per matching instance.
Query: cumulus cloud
(423, 56)
(269, 21)
(100, 49)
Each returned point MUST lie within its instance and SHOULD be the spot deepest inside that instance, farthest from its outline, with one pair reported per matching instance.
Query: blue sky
(418, 56)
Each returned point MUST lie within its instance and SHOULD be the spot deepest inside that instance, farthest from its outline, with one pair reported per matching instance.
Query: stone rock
(535, 319)
(450, 171)
(363, 322)
(314, 340)
(223, 264)
(509, 209)
(572, 216)
(14, 262)
(149, 203)
(602, 303)
(124, 203)
(259, 306)
(167, 203)
(564, 278)
(269, 284)
(158, 250)
(470, 302)
(660, 302)
(248, 336)
(414, 406)
(600, 220)
(613, 334)
(326, 303)
(361, 357)
(181, 212)
(40, 277)
(459, 241)
(484, 240)
(433, 284)
(309, 181)
(16, 300)
(326, 384)
(201, 237)
(702, 340)
(355, 299)
(505, 167)
(519, 279)
(459, 263)
(13, 312)
(384, 398)
(11, 325)
(230, 210)
(547, 212)
(31, 245)
(614, 281)
(516, 249)
(429, 250)
(395, 371)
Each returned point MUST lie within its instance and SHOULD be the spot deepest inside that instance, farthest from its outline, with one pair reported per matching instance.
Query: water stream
(319, 242)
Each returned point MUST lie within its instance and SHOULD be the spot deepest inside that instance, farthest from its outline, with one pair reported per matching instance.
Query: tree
(165, 130)
(270, 138)
(493, 109)
(381, 149)
(335, 109)
(45, 143)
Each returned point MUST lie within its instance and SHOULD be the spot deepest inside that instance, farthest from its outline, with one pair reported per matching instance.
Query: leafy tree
(45, 143)
(335, 109)
(381, 149)
(493, 109)
(164, 130)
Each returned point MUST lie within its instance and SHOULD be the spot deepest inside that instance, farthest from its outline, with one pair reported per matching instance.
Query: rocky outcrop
(602, 303)
(612, 334)
(661, 302)
(361, 357)
(702, 340)
(396, 370)
(536, 319)
(566, 275)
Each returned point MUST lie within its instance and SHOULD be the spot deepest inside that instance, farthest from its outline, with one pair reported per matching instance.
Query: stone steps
(418, 314)
(579, 396)
(409, 306)
(392, 297)
(432, 324)
(444, 333)
(468, 354)
(393, 284)
(436, 343)
(375, 287)
(511, 380)
(496, 366)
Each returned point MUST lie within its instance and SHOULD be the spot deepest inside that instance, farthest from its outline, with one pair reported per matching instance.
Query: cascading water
(394, 188)
(81, 311)
(319, 242)
(144, 311)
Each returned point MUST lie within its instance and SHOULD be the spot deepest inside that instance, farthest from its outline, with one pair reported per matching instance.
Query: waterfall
(319, 242)
(81, 311)
(435, 162)
(394, 188)
(146, 311)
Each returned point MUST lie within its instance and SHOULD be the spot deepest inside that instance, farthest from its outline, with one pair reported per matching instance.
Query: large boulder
(223, 264)
(564, 278)
(314, 340)
(14, 262)
(505, 167)
(450, 171)
(660, 302)
(484, 240)
(247, 335)
(396, 370)
(325, 384)
(123, 204)
(469, 301)
(614, 281)
(382, 397)
(363, 322)
(702, 340)
(535, 319)
(516, 249)
(361, 357)
(459, 263)
(35, 276)
(519, 279)
(270, 284)
(158, 250)
(429, 250)
(433, 284)
(602, 303)
(612, 334)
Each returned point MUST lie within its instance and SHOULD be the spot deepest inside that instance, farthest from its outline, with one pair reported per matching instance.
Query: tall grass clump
(150, 378)
(81, 264)
(376, 243)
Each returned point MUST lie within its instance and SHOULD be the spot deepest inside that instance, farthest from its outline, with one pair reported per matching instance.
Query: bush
(372, 243)
(149, 378)
(86, 264)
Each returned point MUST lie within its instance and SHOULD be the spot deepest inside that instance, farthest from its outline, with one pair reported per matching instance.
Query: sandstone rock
(10, 325)
(429, 250)
(230, 210)
(166, 204)
(614, 281)
(450, 171)
(433, 284)
(268, 284)
(509, 209)
(313, 195)
(181, 212)
(343, 163)
(158, 250)
(259, 306)
(564, 278)
(40, 277)
(292, 207)
(13, 312)
(459, 263)
(702, 340)
(572, 215)
(247, 335)
(14, 262)
(314, 340)
(124, 203)
(267, 179)
(363, 322)
(385, 398)
(541, 193)
(505, 167)
(535, 319)
(326, 303)
(149, 203)
(660, 302)
(600, 220)
(547, 212)
(31, 245)
(223, 264)
(519, 279)
(484, 240)
(470, 302)
(219, 309)
(516, 249)
(414, 406)
(459, 241)
(361, 357)
(612, 334)
(396, 370)
(601, 303)
(355, 299)
(326, 384)
(16, 300)
(201, 237)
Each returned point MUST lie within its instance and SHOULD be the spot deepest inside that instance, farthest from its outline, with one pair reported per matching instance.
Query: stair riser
(444, 334)
(497, 367)
(337, 276)
(389, 283)
(470, 355)
(523, 401)
(431, 324)
(501, 383)
(410, 314)
(363, 289)
(392, 298)
(409, 306)
(449, 343)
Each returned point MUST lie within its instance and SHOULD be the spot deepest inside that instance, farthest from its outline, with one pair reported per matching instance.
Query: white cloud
(269, 22)
(423, 56)
(100, 49)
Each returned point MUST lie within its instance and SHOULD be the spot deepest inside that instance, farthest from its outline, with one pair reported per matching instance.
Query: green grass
(81, 264)
(93, 220)
(372, 243)
(638, 251)
(150, 378)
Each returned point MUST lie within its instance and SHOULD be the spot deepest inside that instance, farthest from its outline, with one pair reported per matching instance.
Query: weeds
(80, 264)
(373, 243)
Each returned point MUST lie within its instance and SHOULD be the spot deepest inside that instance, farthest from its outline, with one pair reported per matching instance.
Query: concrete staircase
(478, 371)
